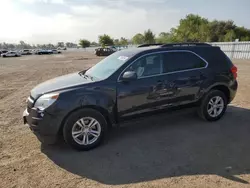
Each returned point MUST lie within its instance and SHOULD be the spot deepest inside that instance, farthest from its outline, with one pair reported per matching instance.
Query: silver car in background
(11, 54)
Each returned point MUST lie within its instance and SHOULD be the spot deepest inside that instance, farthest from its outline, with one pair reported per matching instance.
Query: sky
(51, 21)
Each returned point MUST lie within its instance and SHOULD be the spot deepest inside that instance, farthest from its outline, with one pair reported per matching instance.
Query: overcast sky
(50, 21)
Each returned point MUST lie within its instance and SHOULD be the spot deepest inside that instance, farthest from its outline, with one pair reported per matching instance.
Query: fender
(103, 101)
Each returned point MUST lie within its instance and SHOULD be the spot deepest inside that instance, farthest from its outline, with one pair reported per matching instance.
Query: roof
(161, 47)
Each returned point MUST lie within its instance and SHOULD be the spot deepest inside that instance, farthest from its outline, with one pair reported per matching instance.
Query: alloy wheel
(215, 106)
(86, 131)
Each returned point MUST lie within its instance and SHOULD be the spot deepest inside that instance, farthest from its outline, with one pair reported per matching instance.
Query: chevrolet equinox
(82, 106)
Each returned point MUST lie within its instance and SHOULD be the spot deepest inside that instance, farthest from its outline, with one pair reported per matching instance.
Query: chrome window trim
(169, 51)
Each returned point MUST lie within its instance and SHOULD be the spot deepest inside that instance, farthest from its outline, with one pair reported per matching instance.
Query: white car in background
(11, 54)
(26, 52)
(55, 51)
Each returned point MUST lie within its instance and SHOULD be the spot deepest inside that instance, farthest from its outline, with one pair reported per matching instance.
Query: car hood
(59, 83)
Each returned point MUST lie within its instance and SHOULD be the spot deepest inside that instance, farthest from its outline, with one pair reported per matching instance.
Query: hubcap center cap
(85, 130)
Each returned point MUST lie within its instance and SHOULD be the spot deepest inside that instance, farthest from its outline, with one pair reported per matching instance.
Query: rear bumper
(233, 90)
(42, 124)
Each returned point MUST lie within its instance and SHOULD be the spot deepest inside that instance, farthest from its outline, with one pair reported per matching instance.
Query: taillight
(234, 71)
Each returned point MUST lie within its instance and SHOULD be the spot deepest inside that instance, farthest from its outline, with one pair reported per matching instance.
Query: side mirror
(129, 76)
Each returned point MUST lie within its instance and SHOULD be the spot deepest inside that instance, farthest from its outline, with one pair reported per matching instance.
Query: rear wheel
(85, 129)
(213, 106)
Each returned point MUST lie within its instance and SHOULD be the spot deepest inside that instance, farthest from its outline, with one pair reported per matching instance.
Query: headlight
(46, 100)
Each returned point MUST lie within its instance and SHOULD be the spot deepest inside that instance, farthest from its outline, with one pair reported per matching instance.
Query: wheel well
(223, 89)
(97, 108)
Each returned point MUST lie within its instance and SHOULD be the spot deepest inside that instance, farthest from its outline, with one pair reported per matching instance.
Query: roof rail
(147, 45)
(185, 44)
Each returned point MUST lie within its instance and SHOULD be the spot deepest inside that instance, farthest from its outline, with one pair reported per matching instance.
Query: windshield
(108, 66)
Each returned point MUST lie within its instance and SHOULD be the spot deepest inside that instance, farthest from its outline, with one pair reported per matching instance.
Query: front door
(141, 95)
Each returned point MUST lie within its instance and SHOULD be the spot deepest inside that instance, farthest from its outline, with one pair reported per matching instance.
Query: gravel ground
(170, 150)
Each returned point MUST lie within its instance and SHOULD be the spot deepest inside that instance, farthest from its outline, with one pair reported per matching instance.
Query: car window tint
(178, 61)
(147, 66)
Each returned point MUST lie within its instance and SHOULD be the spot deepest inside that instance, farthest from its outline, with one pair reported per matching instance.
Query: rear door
(184, 74)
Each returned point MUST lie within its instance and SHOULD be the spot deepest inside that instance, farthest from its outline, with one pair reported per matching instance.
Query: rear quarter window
(217, 59)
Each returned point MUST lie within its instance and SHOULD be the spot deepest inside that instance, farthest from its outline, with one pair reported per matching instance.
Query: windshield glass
(108, 66)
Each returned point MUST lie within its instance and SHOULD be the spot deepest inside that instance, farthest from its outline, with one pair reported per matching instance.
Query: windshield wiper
(91, 77)
(85, 76)
(81, 73)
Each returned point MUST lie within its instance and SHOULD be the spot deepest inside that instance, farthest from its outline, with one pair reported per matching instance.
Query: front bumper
(42, 124)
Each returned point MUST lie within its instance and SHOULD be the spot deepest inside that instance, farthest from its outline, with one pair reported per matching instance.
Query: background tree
(123, 41)
(94, 43)
(21, 45)
(230, 36)
(70, 45)
(164, 38)
(116, 42)
(138, 39)
(149, 37)
(60, 44)
(242, 33)
(193, 28)
(84, 43)
(105, 40)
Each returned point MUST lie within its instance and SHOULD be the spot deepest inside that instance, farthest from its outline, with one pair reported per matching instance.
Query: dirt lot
(174, 150)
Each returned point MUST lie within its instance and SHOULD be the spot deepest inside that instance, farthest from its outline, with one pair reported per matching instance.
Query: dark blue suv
(128, 84)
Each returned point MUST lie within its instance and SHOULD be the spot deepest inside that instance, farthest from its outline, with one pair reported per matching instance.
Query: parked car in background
(26, 52)
(104, 51)
(129, 84)
(11, 54)
(55, 51)
(3, 51)
(61, 48)
(40, 52)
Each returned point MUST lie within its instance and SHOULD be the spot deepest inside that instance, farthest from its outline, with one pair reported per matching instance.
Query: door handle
(171, 84)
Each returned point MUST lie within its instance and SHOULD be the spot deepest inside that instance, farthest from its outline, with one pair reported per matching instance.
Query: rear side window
(178, 61)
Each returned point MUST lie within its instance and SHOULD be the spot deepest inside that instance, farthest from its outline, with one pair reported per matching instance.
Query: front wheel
(84, 129)
(213, 106)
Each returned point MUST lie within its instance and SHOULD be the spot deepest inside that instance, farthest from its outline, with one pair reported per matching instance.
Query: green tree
(70, 45)
(218, 30)
(193, 28)
(84, 43)
(165, 38)
(138, 39)
(60, 44)
(230, 36)
(123, 41)
(105, 40)
(242, 33)
(116, 42)
(94, 43)
(149, 37)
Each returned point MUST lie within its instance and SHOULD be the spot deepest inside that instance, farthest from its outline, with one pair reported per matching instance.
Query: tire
(210, 99)
(72, 124)
(16, 55)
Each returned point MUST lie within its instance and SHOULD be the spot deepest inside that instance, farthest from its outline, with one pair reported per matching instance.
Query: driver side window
(147, 66)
